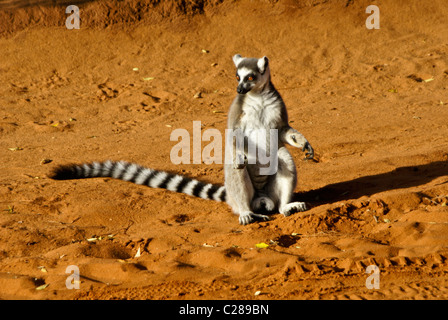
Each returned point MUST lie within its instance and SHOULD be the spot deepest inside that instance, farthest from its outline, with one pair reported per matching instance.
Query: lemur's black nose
(241, 90)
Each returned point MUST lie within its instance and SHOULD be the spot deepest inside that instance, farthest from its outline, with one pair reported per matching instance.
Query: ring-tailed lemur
(258, 105)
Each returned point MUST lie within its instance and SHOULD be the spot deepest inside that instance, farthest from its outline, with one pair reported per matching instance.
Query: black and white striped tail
(140, 175)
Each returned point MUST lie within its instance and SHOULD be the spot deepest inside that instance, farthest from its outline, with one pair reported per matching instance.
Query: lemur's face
(251, 73)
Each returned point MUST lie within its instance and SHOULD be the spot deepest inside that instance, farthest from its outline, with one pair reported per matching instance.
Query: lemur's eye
(250, 78)
(238, 77)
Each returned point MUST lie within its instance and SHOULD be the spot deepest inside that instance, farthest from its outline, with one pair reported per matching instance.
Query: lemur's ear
(237, 59)
(263, 64)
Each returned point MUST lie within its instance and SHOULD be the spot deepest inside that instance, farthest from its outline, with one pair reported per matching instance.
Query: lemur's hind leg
(240, 193)
(283, 185)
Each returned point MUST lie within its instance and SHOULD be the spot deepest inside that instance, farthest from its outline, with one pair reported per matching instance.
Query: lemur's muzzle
(241, 89)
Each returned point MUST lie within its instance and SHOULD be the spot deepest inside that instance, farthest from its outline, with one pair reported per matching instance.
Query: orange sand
(378, 190)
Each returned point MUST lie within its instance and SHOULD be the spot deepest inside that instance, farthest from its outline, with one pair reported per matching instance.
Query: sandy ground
(373, 104)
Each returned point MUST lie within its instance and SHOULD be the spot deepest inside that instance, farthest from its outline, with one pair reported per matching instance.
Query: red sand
(378, 190)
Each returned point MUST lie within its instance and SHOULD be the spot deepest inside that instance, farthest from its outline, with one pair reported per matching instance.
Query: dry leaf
(42, 268)
(42, 287)
(45, 161)
(197, 95)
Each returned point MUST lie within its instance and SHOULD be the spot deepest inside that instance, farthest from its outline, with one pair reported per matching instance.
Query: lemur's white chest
(260, 112)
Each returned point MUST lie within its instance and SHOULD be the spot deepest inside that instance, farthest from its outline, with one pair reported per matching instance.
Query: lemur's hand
(239, 161)
(296, 139)
(309, 151)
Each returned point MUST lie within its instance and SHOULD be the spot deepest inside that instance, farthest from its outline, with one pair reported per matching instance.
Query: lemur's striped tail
(140, 175)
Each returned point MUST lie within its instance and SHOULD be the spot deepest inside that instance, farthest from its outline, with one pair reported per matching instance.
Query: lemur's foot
(293, 207)
(249, 217)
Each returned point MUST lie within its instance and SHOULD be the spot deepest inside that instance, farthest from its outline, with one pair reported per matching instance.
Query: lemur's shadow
(403, 177)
